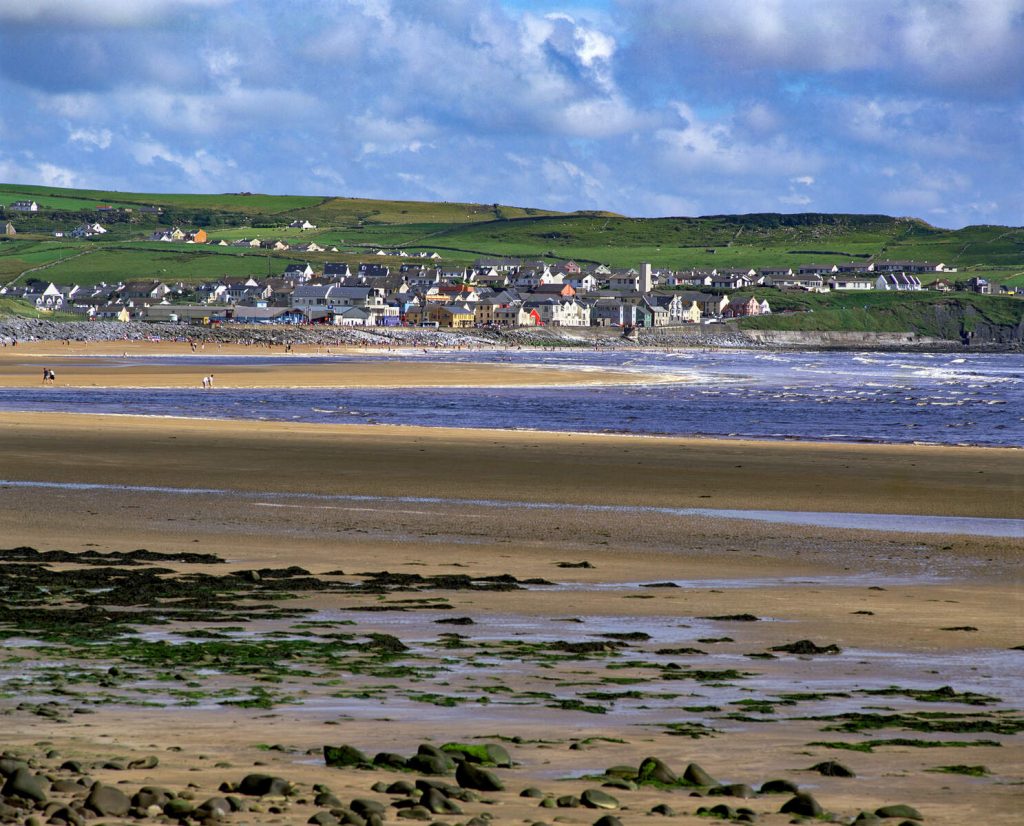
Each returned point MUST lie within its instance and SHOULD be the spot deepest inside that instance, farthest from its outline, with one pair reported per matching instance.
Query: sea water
(975, 399)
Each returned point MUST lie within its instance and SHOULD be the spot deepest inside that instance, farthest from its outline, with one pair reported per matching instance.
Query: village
(490, 293)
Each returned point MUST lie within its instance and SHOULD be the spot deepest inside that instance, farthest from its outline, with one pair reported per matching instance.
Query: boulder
(532, 791)
(328, 800)
(26, 785)
(802, 804)
(830, 768)
(178, 809)
(151, 796)
(608, 820)
(400, 787)
(214, 808)
(655, 770)
(867, 819)
(779, 787)
(489, 754)
(473, 777)
(9, 765)
(364, 807)
(596, 799)
(568, 801)
(899, 810)
(65, 814)
(696, 776)
(344, 755)
(149, 762)
(389, 760)
(323, 819)
(259, 785)
(107, 801)
(733, 790)
(415, 813)
(663, 809)
(436, 802)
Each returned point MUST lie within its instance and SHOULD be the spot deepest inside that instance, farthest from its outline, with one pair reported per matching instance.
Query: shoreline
(784, 439)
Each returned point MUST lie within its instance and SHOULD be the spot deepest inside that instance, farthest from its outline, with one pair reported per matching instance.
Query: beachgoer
(206, 382)
(211, 379)
(46, 374)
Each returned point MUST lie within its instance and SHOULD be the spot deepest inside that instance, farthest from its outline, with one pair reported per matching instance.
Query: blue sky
(645, 107)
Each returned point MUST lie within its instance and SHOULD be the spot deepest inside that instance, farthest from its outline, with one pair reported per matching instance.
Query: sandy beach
(890, 602)
(113, 364)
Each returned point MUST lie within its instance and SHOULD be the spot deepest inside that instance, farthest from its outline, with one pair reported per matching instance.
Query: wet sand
(113, 364)
(884, 598)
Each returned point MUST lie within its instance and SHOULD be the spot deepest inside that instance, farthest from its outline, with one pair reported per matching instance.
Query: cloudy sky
(645, 107)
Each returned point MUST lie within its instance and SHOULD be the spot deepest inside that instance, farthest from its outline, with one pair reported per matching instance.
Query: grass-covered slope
(462, 232)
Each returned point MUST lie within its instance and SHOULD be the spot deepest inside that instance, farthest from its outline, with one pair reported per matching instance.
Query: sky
(643, 107)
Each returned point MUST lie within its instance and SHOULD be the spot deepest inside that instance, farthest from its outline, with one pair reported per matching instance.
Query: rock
(178, 809)
(65, 814)
(107, 801)
(260, 785)
(214, 808)
(324, 819)
(67, 787)
(473, 777)
(547, 803)
(696, 776)
(344, 755)
(151, 796)
(802, 804)
(723, 811)
(149, 762)
(430, 759)
(663, 809)
(9, 765)
(365, 807)
(73, 766)
(867, 819)
(437, 803)
(899, 810)
(807, 647)
(778, 787)
(596, 799)
(733, 790)
(388, 760)
(26, 785)
(568, 801)
(380, 787)
(619, 783)
(328, 800)
(830, 768)
(400, 787)
(488, 754)
(532, 791)
(654, 770)
(415, 813)
(608, 820)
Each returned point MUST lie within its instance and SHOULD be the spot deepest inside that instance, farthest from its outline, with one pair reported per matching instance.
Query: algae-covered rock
(899, 810)
(802, 804)
(345, 755)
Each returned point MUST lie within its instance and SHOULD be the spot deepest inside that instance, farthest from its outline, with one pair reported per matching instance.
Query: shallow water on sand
(873, 397)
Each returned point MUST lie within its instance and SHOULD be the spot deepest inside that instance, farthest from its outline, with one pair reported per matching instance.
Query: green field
(884, 312)
(462, 232)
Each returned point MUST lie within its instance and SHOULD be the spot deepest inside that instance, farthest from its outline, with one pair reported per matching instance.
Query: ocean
(973, 399)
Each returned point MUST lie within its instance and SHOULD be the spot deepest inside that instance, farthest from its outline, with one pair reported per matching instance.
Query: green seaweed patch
(870, 745)
(960, 768)
(444, 700)
(945, 694)
(934, 721)
(574, 704)
(689, 729)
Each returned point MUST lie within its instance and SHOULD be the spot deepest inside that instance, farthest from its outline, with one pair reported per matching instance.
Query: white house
(24, 206)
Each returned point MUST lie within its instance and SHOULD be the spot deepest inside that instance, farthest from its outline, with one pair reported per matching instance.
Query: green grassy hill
(460, 232)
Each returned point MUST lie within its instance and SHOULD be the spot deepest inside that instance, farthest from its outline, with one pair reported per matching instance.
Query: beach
(145, 364)
(535, 507)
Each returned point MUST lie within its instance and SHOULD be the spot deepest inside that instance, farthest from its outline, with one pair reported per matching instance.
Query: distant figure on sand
(211, 379)
(206, 382)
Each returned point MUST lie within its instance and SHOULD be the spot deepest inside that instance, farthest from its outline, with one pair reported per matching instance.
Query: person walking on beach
(46, 374)
(206, 382)
(210, 379)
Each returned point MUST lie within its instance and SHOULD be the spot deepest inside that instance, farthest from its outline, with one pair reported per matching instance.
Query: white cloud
(31, 171)
(794, 200)
(200, 167)
(805, 180)
(91, 138)
(700, 145)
